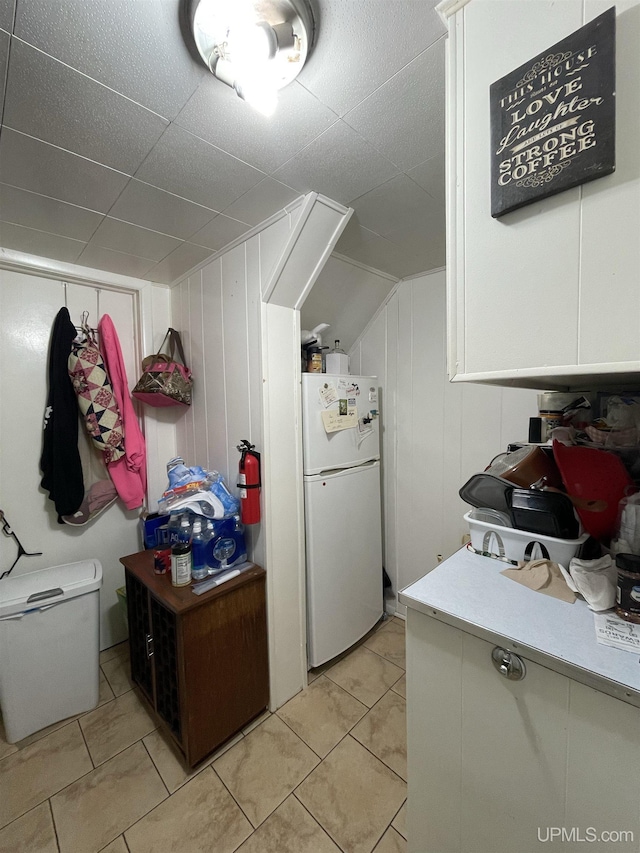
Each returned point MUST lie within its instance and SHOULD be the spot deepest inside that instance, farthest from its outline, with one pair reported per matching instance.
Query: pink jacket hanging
(129, 473)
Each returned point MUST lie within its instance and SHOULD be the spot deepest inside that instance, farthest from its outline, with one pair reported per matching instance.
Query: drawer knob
(509, 665)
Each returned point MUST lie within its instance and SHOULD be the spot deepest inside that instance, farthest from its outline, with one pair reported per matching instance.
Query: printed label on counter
(611, 630)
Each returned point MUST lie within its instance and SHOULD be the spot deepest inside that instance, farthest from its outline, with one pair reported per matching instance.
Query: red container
(594, 474)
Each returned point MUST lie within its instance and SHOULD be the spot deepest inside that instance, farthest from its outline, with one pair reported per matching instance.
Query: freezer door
(344, 559)
(324, 451)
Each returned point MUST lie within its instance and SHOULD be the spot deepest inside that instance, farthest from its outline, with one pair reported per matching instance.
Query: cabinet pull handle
(508, 665)
(149, 646)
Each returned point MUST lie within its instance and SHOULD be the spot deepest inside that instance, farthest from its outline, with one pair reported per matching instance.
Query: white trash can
(49, 646)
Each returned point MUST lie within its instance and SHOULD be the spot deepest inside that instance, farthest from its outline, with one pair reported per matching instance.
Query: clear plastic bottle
(209, 534)
(199, 568)
(241, 544)
(184, 533)
(173, 527)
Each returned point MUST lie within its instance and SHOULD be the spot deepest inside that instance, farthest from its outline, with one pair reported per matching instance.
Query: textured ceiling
(119, 151)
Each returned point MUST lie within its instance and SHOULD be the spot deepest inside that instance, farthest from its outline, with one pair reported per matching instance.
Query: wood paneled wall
(435, 434)
(217, 312)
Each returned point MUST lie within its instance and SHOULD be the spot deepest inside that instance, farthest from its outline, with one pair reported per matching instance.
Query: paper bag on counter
(542, 576)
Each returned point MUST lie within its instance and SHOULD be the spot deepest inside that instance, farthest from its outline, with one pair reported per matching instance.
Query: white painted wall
(29, 302)
(435, 434)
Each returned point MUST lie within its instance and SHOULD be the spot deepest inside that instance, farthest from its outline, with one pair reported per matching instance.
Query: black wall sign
(553, 119)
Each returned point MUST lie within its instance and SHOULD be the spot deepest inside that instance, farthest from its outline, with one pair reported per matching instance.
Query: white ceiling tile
(339, 164)
(261, 202)
(421, 248)
(133, 240)
(361, 43)
(219, 232)
(50, 101)
(51, 171)
(194, 169)
(158, 210)
(217, 114)
(353, 236)
(39, 243)
(422, 242)
(398, 203)
(105, 259)
(6, 14)
(178, 263)
(379, 253)
(47, 214)
(133, 47)
(377, 63)
(430, 176)
(396, 119)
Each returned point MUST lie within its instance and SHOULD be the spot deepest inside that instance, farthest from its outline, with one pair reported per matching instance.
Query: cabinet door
(139, 635)
(486, 756)
(226, 668)
(527, 290)
(165, 655)
(514, 747)
(603, 769)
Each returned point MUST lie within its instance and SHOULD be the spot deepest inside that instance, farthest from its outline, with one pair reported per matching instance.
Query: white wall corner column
(284, 508)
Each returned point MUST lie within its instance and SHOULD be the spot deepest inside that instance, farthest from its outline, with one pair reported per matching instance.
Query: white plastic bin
(514, 544)
(49, 646)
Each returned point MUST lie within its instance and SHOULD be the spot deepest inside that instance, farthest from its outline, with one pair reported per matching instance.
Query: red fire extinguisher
(249, 483)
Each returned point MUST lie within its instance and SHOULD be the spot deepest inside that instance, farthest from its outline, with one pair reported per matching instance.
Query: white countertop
(468, 592)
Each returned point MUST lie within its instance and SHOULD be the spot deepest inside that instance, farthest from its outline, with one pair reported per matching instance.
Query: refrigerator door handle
(329, 472)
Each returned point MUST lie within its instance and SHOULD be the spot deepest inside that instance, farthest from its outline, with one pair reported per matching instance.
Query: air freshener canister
(628, 591)
(181, 564)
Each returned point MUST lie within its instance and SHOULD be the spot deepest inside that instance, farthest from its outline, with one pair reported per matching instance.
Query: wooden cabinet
(201, 661)
(546, 296)
(495, 764)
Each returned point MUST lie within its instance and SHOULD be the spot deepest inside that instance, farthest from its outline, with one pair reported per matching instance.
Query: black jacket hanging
(60, 462)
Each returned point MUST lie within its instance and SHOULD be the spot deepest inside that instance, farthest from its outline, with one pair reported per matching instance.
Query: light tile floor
(326, 773)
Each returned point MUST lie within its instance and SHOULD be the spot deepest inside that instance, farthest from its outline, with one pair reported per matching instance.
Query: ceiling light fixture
(254, 46)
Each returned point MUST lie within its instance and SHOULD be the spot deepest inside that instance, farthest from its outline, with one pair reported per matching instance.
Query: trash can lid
(33, 590)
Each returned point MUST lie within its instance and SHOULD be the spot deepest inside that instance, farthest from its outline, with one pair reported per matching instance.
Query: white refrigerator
(343, 514)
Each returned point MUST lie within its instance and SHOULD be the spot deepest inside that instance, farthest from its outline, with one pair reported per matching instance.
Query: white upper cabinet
(547, 296)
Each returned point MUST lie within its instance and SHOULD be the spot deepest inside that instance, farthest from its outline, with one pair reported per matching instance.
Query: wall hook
(6, 529)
